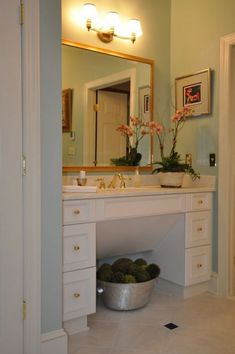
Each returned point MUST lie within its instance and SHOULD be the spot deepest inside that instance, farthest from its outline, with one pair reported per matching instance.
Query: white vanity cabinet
(172, 226)
(198, 239)
(79, 263)
(184, 255)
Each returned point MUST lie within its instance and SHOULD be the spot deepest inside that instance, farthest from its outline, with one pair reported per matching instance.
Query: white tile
(206, 326)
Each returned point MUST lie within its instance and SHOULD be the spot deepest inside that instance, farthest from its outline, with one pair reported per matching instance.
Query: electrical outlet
(212, 160)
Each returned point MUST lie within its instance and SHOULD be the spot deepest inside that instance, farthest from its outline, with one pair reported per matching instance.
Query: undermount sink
(128, 189)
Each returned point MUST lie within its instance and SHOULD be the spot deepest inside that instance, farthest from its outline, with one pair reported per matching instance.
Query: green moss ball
(118, 277)
(122, 265)
(140, 262)
(128, 278)
(153, 270)
(142, 276)
(104, 274)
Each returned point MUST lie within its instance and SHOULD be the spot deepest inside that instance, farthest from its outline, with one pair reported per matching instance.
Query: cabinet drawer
(79, 246)
(197, 265)
(199, 201)
(119, 208)
(78, 211)
(198, 228)
(79, 293)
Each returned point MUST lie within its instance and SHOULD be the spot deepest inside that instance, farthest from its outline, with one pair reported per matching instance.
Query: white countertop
(134, 192)
(150, 186)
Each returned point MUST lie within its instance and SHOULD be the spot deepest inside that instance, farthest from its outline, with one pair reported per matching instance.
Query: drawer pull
(199, 229)
(199, 265)
(200, 201)
(76, 295)
(76, 211)
(76, 248)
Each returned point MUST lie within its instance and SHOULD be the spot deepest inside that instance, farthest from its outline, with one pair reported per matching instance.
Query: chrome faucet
(113, 182)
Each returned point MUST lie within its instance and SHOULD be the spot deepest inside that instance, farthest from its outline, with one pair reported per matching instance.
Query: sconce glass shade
(89, 11)
(112, 20)
(134, 27)
(111, 27)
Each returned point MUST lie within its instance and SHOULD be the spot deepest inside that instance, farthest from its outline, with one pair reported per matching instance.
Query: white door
(112, 112)
(11, 255)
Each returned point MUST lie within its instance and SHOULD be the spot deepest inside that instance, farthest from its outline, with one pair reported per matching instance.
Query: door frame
(32, 180)
(225, 204)
(89, 99)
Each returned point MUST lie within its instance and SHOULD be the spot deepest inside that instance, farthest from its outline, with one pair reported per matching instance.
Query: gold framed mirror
(107, 88)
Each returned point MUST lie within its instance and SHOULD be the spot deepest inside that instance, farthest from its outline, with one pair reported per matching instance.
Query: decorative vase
(134, 157)
(125, 297)
(171, 179)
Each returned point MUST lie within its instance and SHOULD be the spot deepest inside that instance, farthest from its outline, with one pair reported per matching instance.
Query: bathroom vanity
(172, 227)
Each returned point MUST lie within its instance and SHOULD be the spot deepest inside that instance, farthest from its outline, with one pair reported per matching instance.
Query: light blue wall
(50, 106)
(196, 30)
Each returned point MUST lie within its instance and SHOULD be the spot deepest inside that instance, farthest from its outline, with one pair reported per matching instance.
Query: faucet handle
(122, 180)
(101, 183)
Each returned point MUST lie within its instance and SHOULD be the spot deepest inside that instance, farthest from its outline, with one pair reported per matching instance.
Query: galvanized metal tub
(125, 296)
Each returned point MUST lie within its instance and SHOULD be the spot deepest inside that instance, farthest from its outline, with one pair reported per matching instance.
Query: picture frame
(144, 102)
(67, 110)
(194, 91)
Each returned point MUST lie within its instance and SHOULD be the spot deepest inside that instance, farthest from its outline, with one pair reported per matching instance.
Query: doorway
(226, 172)
(112, 110)
(118, 92)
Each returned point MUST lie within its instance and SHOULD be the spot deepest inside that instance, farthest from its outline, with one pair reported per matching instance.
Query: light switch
(212, 160)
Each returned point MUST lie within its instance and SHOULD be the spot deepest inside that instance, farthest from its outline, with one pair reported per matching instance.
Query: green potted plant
(126, 284)
(171, 166)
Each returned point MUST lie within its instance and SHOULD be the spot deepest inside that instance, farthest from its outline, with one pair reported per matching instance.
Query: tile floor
(206, 325)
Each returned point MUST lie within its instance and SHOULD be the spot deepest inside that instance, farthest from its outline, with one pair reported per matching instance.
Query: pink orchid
(136, 129)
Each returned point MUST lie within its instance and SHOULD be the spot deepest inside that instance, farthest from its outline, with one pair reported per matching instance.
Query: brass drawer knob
(200, 201)
(76, 211)
(76, 295)
(199, 265)
(76, 248)
(199, 229)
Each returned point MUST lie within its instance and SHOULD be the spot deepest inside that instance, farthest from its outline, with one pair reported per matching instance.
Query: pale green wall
(195, 41)
(196, 29)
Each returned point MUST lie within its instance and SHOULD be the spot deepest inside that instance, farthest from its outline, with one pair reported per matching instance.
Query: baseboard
(181, 291)
(76, 325)
(213, 284)
(54, 342)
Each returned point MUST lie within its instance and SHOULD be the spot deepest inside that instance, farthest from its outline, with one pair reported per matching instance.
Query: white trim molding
(213, 284)
(54, 342)
(224, 174)
(31, 181)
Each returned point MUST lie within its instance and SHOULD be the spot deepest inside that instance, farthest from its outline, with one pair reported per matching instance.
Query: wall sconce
(111, 26)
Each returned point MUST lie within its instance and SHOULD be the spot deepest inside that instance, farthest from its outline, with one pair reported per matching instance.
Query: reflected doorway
(112, 110)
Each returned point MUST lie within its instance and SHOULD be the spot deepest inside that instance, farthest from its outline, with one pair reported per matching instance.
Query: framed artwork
(144, 102)
(194, 91)
(67, 110)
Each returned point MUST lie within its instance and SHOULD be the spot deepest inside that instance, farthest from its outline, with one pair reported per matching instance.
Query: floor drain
(170, 326)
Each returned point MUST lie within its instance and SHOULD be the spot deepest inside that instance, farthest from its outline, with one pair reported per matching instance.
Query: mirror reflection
(105, 91)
